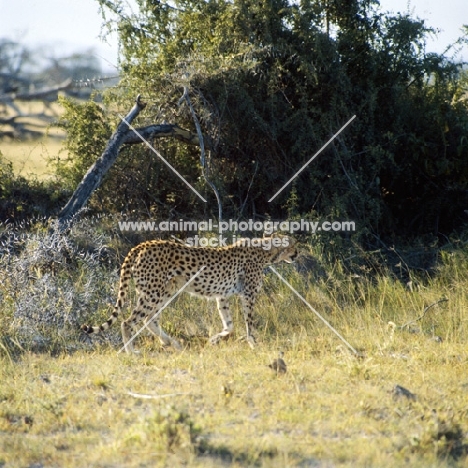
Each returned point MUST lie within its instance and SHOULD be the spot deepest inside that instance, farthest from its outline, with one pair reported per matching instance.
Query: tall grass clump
(377, 299)
(51, 280)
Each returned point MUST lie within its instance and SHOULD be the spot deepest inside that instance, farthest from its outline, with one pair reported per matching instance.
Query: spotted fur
(160, 268)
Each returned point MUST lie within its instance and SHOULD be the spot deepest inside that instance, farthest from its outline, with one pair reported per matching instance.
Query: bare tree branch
(204, 166)
(158, 131)
(93, 178)
(444, 299)
(37, 94)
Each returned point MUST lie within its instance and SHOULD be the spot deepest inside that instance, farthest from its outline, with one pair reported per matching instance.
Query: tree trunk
(123, 135)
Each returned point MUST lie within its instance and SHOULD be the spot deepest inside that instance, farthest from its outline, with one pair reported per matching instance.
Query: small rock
(278, 365)
(45, 378)
(399, 391)
(28, 420)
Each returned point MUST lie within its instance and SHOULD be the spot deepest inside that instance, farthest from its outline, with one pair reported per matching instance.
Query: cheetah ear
(272, 235)
(280, 235)
(292, 241)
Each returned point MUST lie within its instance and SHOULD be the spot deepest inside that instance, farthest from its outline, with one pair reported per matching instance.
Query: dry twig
(423, 314)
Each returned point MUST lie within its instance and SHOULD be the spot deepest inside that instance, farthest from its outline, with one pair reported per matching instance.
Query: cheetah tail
(125, 275)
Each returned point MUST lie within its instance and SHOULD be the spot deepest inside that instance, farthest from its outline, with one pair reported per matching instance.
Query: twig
(351, 181)
(248, 191)
(155, 397)
(424, 313)
(178, 240)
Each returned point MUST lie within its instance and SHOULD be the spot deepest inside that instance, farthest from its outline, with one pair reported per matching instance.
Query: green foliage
(271, 82)
(87, 130)
(6, 177)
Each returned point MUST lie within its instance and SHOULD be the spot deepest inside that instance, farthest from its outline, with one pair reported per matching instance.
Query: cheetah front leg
(226, 318)
(248, 305)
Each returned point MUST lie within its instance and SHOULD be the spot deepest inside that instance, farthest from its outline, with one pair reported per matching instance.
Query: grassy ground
(403, 401)
(224, 406)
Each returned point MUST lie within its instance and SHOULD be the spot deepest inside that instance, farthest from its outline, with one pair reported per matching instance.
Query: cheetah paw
(251, 341)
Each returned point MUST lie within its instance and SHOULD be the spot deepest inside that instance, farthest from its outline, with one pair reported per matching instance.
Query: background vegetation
(271, 82)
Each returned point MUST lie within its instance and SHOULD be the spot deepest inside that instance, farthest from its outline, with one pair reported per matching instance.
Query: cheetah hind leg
(152, 325)
(248, 303)
(166, 340)
(127, 333)
(133, 324)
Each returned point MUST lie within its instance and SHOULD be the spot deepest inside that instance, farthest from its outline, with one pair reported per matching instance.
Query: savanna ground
(67, 401)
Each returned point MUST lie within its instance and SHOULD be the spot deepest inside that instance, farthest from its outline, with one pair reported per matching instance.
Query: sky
(61, 26)
(65, 26)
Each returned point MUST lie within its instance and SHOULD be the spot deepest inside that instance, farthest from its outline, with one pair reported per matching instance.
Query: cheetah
(160, 268)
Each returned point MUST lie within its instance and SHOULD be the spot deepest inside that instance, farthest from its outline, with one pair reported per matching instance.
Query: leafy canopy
(271, 81)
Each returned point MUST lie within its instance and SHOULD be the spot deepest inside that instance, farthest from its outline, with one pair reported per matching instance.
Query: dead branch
(37, 94)
(204, 166)
(158, 131)
(156, 397)
(423, 314)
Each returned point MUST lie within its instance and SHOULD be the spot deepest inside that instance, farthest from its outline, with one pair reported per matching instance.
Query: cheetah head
(284, 251)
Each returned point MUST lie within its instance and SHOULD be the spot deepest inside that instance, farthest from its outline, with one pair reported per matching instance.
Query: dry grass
(30, 157)
(223, 406)
(329, 407)
(68, 403)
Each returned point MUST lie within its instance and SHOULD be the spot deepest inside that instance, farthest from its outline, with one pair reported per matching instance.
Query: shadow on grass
(225, 455)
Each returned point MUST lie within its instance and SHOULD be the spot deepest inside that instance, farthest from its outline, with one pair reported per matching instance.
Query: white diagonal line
(311, 159)
(162, 308)
(157, 153)
(314, 311)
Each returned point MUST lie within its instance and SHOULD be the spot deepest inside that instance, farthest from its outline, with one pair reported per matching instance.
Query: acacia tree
(272, 81)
